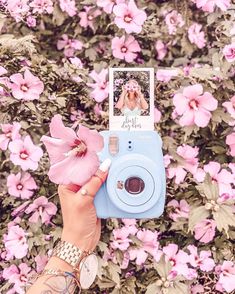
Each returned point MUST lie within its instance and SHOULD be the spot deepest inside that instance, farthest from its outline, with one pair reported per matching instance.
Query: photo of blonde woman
(131, 101)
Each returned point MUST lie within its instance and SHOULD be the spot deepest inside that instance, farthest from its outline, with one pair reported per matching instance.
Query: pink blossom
(42, 6)
(88, 16)
(179, 209)
(69, 45)
(157, 115)
(194, 106)
(21, 185)
(41, 261)
(189, 155)
(17, 276)
(125, 48)
(130, 225)
(70, 152)
(138, 254)
(205, 230)
(25, 153)
(76, 61)
(230, 106)
(174, 20)
(129, 17)
(107, 5)
(121, 240)
(196, 289)
(100, 86)
(210, 5)
(27, 87)
(41, 208)
(20, 209)
(18, 9)
(165, 75)
(161, 49)
(202, 260)
(15, 242)
(68, 6)
(230, 140)
(31, 21)
(178, 172)
(10, 132)
(223, 177)
(150, 242)
(196, 36)
(227, 276)
(178, 259)
(229, 52)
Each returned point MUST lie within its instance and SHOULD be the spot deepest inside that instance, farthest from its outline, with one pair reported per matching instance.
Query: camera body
(136, 183)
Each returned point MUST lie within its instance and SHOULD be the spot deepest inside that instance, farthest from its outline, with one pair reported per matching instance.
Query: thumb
(96, 181)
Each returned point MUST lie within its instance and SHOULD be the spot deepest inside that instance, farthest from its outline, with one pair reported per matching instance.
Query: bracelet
(55, 273)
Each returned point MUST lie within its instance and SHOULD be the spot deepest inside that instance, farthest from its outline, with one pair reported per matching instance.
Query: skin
(81, 227)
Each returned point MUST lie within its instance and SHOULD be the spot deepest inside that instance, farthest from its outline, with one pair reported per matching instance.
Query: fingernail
(105, 165)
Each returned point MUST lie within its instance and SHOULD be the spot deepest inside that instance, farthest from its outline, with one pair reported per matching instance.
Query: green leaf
(224, 218)
(114, 271)
(162, 267)
(196, 215)
(209, 189)
(153, 289)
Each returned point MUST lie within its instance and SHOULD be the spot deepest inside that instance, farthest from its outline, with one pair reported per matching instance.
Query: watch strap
(68, 252)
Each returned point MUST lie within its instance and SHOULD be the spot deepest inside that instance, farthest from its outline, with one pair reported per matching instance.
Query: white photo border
(147, 122)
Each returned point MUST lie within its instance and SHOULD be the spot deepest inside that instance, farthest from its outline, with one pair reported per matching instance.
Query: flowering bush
(54, 58)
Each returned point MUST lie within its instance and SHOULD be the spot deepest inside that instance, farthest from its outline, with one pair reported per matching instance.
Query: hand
(80, 224)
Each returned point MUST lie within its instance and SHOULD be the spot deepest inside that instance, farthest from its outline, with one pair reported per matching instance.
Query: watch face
(88, 271)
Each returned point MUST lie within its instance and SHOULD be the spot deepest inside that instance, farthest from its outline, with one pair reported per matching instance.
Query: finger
(94, 184)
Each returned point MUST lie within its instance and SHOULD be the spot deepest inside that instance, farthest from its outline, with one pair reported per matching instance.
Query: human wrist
(75, 239)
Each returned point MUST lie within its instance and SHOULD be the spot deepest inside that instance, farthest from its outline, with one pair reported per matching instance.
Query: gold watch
(84, 263)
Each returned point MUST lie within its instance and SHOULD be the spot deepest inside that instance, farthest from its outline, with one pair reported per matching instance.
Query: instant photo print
(136, 183)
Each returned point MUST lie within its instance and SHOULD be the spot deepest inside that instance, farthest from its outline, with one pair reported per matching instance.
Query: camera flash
(113, 145)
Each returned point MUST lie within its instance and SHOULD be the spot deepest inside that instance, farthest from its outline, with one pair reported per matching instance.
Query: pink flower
(230, 106)
(230, 140)
(125, 48)
(107, 5)
(42, 6)
(150, 242)
(210, 5)
(130, 225)
(100, 86)
(178, 172)
(71, 152)
(88, 16)
(68, 6)
(27, 87)
(25, 153)
(189, 155)
(69, 45)
(41, 261)
(15, 242)
(129, 17)
(229, 52)
(10, 132)
(194, 106)
(174, 20)
(178, 259)
(202, 260)
(20, 209)
(18, 9)
(196, 289)
(205, 230)
(196, 36)
(21, 185)
(17, 276)
(222, 177)
(179, 209)
(227, 276)
(31, 21)
(161, 49)
(121, 240)
(157, 115)
(41, 208)
(165, 75)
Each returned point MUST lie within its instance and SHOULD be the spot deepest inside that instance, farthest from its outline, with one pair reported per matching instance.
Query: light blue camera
(136, 184)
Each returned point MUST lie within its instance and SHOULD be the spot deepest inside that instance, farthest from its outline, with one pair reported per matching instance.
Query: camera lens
(134, 185)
